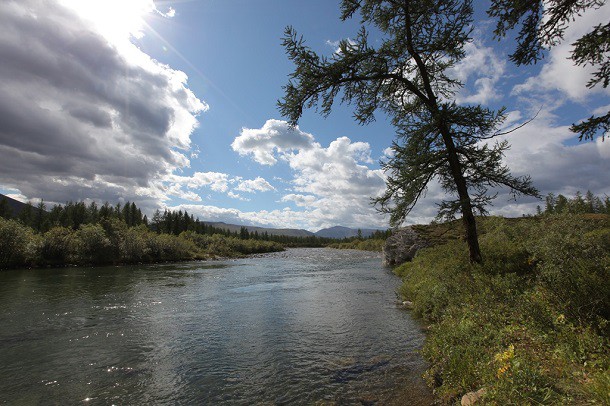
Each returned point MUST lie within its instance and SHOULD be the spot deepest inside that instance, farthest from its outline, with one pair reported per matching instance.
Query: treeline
(75, 214)
(112, 241)
(81, 234)
(579, 204)
(176, 222)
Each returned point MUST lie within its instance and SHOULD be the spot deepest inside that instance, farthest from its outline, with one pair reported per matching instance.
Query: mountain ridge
(335, 232)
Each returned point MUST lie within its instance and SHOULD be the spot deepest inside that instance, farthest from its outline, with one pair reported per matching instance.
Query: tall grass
(530, 324)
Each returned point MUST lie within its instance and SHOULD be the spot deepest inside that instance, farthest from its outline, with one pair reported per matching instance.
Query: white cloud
(335, 45)
(546, 151)
(479, 71)
(254, 185)
(217, 181)
(274, 136)
(84, 117)
(234, 195)
(300, 200)
(335, 184)
(170, 13)
(559, 72)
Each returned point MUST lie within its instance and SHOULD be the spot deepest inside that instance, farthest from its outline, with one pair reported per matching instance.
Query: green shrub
(92, 246)
(575, 267)
(19, 246)
(218, 245)
(530, 324)
(133, 245)
(167, 247)
(57, 245)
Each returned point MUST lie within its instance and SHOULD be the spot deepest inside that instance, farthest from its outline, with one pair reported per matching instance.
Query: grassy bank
(530, 324)
(363, 245)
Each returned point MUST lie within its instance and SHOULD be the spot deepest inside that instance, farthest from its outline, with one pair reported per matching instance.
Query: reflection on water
(304, 326)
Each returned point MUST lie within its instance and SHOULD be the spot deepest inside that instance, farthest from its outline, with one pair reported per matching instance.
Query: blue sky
(173, 104)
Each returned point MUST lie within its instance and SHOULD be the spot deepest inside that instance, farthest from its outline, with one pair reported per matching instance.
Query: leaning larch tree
(406, 77)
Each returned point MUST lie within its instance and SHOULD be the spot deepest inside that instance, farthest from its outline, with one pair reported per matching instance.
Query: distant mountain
(15, 205)
(343, 232)
(337, 232)
(290, 232)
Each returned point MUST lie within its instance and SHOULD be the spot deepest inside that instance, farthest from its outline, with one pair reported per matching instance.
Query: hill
(289, 232)
(343, 232)
(336, 232)
(529, 322)
(15, 206)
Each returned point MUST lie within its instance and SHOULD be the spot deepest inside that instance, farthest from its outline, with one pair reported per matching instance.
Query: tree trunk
(470, 224)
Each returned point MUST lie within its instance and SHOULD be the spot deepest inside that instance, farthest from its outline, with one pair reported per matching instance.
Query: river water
(305, 326)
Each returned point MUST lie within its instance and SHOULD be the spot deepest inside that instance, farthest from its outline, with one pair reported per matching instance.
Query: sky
(173, 104)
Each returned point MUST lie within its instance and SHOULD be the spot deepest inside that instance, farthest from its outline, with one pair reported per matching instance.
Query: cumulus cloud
(217, 181)
(274, 136)
(479, 71)
(334, 184)
(183, 186)
(299, 200)
(81, 117)
(237, 196)
(254, 185)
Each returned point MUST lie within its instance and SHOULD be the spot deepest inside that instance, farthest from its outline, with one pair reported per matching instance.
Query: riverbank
(112, 242)
(375, 245)
(530, 324)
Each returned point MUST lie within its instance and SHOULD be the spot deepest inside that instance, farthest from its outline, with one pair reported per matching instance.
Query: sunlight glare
(117, 20)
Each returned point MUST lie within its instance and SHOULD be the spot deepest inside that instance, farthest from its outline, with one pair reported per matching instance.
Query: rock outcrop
(402, 246)
(471, 398)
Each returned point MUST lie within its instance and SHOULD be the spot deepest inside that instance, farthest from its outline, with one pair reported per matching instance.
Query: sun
(115, 19)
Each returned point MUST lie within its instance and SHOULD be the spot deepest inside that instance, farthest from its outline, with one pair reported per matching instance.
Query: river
(305, 326)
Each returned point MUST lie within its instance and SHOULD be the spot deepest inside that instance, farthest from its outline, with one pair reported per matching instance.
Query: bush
(92, 246)
(57, 246)
(19, 246)
(133, 245)
(217, 245)
(574, 267)
(168, 247)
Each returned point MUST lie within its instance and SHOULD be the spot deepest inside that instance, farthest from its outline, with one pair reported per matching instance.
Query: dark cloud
(78, 118)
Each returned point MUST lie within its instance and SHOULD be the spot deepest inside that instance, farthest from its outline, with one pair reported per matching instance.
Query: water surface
(306, 326)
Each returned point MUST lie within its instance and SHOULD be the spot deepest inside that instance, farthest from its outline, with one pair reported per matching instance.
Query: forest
(77, 233)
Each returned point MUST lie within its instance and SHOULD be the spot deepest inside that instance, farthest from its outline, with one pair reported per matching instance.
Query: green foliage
(57, 246)
(5, 210)
(92, 245)
(363, 245)
(80, 234)
(405, 76)
(374, 242)
(579, 204)
(574, 266)
(18, 244)
(542, 25)
(221, 246)
(530, 324)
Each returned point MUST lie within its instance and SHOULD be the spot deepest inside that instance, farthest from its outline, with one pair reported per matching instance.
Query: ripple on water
(305, 326)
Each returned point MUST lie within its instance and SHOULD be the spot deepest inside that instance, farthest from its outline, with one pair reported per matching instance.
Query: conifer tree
(5, 210)
(405, 77)
(542, 24)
